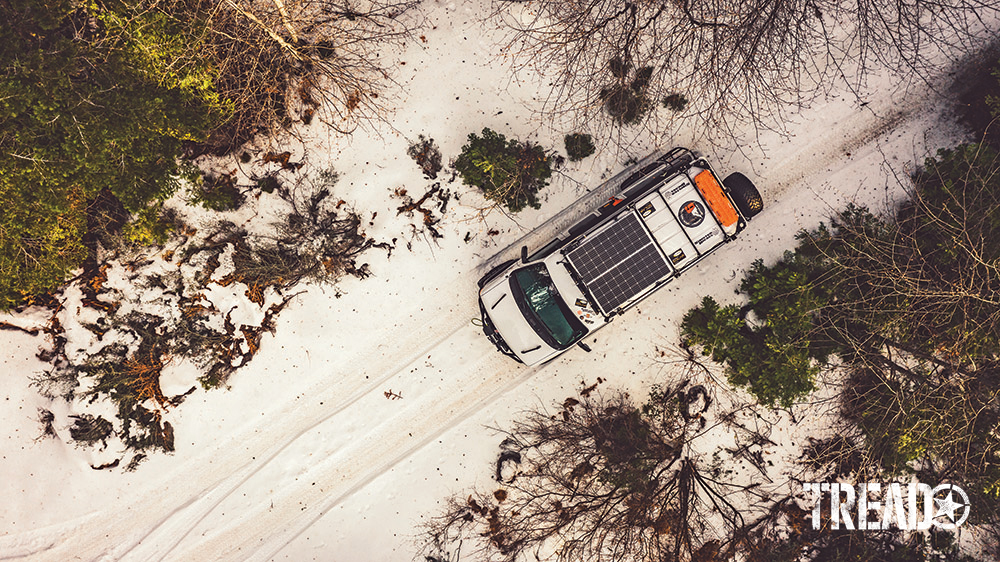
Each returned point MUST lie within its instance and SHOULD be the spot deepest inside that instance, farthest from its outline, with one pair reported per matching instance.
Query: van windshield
(543, 308)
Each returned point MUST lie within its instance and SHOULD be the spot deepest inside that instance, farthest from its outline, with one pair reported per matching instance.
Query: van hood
(507, 320)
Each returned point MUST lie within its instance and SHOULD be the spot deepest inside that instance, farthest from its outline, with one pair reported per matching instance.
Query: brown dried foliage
(143, 377)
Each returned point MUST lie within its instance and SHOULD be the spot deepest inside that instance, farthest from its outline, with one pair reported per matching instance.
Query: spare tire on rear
(744, 194)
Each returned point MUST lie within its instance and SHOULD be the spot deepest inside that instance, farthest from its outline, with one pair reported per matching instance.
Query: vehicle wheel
(744, 194)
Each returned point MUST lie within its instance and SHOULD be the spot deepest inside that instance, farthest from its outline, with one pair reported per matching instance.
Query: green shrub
(625, 105)
(268, 183)
(773, 352)
(775, 368)
(675, 102)
(509, 172)
(151, 225)
(92, 96)
(217, 193)
(626, 100)
(579, 146)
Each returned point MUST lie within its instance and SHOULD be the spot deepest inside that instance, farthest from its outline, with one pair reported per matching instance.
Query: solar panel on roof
(604, 250)
(629, 278)
(619, 262)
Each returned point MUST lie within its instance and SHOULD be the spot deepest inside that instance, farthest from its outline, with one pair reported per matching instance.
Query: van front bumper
(494, 336)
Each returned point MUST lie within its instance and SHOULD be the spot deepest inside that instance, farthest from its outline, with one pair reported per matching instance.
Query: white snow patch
(179, 376)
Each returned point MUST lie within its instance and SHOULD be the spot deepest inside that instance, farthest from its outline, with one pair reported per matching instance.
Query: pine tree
(91, 97)
(509, 172)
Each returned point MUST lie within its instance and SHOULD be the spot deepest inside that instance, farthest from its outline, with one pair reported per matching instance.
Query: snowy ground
(306, 457)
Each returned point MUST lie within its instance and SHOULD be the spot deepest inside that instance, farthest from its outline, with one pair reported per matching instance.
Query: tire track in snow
(328, 484)
(185, 499)
(161, 541)
(928, 104)
(470, 409)
(862, 129)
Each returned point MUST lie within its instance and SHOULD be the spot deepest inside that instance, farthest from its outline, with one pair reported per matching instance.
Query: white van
(667, 216)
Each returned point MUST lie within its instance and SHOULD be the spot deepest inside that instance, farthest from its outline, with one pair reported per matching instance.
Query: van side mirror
(583, 346)
(524, 254)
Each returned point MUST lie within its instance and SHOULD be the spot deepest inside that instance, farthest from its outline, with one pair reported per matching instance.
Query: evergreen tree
(910, 306)
(579, 146)
(91, 97)
(509, 172)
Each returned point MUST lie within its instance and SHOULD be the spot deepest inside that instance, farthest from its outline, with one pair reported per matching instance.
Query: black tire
(744, 194)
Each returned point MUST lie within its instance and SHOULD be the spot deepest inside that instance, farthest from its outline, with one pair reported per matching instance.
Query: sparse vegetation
(88, 429)
(675, 102)
(427, 155)
(45, 419)
(735, 61)
(627, 100)
(602, 479)
(796, 541)
(217, 193)
(436, 200)
(171, 319)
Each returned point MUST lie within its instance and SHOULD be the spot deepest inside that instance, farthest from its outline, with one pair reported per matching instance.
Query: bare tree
(730, 60)
(914, 316)
(336, 47)
(278, 60)
(603, 479)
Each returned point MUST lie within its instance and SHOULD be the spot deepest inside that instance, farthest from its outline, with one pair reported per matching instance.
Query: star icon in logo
(947, 506)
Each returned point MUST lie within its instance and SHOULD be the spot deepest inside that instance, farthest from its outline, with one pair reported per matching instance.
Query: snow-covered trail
(254, 491)
(319, 487)
(173, 508)
(256, 488)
